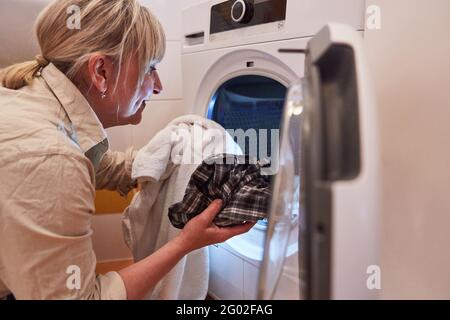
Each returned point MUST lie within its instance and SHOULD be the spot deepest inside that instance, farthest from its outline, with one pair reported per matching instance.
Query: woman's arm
(199, 232)
(114, 172)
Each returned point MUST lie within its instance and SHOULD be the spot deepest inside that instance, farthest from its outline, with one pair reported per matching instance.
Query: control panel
(236, 14)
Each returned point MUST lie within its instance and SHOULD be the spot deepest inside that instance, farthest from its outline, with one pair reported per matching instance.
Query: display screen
(257, 12)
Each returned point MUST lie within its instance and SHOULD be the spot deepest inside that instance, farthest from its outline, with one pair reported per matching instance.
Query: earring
(103, 94)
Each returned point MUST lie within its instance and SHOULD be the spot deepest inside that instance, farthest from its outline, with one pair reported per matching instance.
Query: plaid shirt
(237, 180)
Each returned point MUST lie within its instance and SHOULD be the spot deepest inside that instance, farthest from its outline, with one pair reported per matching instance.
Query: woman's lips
(142, 106)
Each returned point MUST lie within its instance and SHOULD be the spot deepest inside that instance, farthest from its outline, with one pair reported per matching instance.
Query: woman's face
(121, 105)
(131, 96)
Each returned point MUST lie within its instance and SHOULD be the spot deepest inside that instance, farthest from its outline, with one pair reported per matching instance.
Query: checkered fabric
(237, 180)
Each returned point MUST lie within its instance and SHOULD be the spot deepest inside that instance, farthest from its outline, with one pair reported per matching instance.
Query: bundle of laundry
(235, 179)
(163, 169)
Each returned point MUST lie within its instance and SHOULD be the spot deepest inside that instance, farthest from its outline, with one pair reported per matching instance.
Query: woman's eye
(152, 69)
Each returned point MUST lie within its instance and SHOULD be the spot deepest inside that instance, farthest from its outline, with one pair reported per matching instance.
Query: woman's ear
(101, 70)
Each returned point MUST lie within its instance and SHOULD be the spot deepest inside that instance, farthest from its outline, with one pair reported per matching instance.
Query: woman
(55, 152)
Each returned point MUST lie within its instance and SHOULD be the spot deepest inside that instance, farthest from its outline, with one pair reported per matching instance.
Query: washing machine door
(280, 263)
(334, 155)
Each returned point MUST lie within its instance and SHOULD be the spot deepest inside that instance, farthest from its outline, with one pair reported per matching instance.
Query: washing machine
(244, 66)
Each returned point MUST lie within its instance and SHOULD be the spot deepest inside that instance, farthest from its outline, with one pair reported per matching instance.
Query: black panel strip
(258, 12)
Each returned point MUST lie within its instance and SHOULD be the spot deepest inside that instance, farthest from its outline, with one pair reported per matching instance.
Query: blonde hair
(115, 28)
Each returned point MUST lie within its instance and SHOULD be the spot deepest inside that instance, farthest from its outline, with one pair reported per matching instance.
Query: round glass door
(250, 103)
(254, 104)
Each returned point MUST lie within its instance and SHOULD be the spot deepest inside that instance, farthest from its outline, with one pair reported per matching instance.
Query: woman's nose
(157, 88)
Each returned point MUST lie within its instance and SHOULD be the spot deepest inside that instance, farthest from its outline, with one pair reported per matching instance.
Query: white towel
(163, 168)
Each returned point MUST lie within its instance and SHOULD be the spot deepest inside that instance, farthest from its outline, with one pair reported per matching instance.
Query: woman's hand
(200, 231)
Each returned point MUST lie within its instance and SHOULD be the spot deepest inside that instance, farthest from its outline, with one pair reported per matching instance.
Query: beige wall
(17, 39)
(410, 60)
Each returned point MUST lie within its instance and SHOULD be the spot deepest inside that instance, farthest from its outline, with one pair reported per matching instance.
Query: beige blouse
(53, 155)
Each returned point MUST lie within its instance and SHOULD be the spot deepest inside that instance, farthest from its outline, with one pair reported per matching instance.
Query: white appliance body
(209, 61)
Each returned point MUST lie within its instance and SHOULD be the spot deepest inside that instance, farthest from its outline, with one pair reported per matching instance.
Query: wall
(410, 60)
(17, 38)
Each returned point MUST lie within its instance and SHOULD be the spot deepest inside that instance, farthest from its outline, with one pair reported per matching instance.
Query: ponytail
(21, 74)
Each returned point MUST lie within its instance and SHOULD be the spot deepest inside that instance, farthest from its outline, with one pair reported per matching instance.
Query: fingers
(229, 232)
(213, 209)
